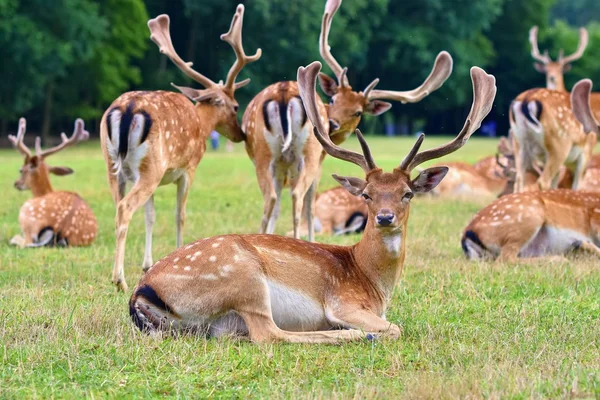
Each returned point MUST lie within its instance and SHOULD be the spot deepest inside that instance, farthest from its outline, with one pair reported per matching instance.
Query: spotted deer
(275, 288)
(464, 180)
(279, 139)
(547, 132)
(156, 138)
(51, 217)
(555, 70)
(338, 212)
(535, 224)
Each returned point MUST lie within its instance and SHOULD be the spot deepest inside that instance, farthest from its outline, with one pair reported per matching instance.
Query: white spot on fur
(187, 268)
(209, 277)
(215, 245)
(212, 258)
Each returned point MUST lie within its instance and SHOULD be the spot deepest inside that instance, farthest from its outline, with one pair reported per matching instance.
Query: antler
(234, 38)
(440, 72)
(583, 42)
(159, 34)
(484, 92)
(307, 79)
(79, 135)
(580, 103)
(535, 51)
(331, 8)
(17, 141)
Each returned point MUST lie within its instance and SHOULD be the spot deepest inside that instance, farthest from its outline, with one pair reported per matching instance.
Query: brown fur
(466, 180)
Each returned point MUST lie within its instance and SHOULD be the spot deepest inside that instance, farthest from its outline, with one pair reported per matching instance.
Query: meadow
(470, 329)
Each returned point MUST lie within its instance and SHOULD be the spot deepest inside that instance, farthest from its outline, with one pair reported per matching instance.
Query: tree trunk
(47, 118)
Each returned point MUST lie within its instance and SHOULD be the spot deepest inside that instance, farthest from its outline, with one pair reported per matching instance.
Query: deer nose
(385, 219)
(333, 125)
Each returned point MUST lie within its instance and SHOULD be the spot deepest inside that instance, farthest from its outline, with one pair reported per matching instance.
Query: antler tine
(79, 135)
(580, 103)
(307, 80)
(159, 34)
(331, 8)
(17, 141)
(440, 72)
(535, 50)
(234, 38)
(484, 92)
(370, 87)
(583, 42)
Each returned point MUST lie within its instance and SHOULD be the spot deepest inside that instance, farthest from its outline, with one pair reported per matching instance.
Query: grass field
(470, 329)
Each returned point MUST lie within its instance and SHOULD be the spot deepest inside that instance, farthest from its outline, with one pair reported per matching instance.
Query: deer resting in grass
(279, 139)
(535, 224)
(275, 288)
(51, 217)
(157, 138)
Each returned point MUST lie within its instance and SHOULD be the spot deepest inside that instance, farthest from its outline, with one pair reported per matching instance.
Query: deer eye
(407, 196)
(358, 114)
(366, 196)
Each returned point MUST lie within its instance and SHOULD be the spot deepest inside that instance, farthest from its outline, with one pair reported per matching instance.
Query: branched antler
(79, 135)
(17, 141)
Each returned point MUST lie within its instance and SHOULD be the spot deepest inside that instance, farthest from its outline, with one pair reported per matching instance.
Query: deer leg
(265, 182)
(183, 189)
(117, 185)
(520, 166)
(357, 318)
(309, 210)
(262, 329)
(556, 156)
(139, 194)
(277, 186)
(150, 216)
(588, 247)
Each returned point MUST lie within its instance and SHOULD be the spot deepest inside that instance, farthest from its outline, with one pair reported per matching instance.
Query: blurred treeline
(63, 59)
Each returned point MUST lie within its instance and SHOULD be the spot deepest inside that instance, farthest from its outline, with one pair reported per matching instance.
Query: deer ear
(567, 67)
(377, 107)
(428, 179)
(354, 185)
(60, 171)
(328, 85)
(539, 67)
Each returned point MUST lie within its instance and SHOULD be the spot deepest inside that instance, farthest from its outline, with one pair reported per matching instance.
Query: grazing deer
(51, 218)
(279, 139)
(338, 212)
(157, 138)
(275, 288)
(535, 224)
(547, 132)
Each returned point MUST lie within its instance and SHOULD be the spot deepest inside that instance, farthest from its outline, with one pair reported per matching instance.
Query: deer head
(555, 70)
(346, 105)
(388, 195)
(35, 172)
(218, 96)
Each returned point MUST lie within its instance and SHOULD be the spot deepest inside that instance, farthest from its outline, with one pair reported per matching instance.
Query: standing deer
(547, 132)
(278, 133)
(275, 288)
(51, 217)
(157, 138)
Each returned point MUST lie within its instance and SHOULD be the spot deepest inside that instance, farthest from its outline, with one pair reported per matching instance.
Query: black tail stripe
(472, 236)
(266, 115)
(126, 120)
(525, 111)
(304, 116)
(148, 293)
(147, 125)
(283, 116)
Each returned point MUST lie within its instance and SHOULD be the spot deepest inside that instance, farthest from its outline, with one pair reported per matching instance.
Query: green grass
(470, 329)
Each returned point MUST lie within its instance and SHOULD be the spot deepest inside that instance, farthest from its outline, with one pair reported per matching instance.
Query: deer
(154, 138)
(538, 224)
(51, 218)
(337, 212)
(279, 142)
(280, 289)
(465, 180)
(546, 131)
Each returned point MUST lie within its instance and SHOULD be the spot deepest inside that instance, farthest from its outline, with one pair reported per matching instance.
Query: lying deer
(535, 224)
(275, 288)
(338, 212)
(158, 138)
(279, 139)
(51, 217)
(465, 180)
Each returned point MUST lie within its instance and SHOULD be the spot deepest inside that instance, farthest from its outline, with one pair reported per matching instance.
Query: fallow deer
(157, 138)
(554, 70)
(464, 180)
(547, 132)
(278, 133)
(51, 217)
(488, 167)
(338, 212)
(275, 288)
(535, 224)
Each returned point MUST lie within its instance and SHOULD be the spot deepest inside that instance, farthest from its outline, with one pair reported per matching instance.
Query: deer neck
(208, 117)
(41, 185)
(380, 255)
